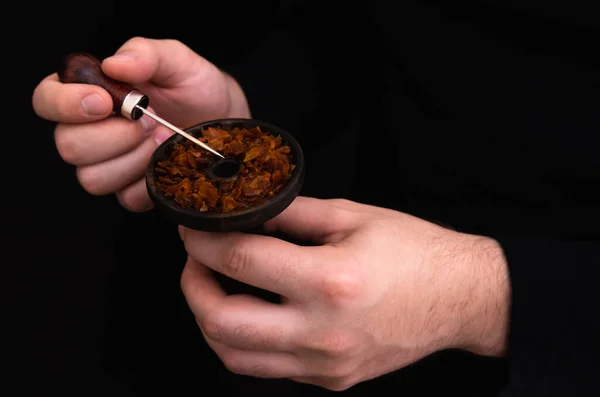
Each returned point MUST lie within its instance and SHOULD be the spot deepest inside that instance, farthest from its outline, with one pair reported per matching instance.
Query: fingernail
(123, 56)
(148, 124)
(94, 104)
(180, 229)
(161, 135)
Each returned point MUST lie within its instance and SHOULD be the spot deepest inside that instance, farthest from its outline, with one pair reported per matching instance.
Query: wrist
(484, 330)
(238, 104)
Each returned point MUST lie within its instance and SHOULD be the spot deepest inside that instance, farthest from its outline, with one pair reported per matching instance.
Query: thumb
(162, 62)
(316, 220)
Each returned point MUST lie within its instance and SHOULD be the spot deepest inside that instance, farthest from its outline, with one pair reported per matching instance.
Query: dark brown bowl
(240, 220)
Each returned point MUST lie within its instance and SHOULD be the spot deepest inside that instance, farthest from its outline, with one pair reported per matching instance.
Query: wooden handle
(85, 69)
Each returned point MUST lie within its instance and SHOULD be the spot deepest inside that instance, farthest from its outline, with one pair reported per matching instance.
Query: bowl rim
(297, 174)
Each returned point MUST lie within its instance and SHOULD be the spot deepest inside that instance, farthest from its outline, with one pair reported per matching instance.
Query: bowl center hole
(225, 168)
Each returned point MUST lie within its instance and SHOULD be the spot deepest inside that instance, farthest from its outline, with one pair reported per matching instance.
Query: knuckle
(342, 208)
(92, 181)
(136, 42)
(186, 281)
(133, 135)
(237, 362)
(233, 362)
(142, 47)
(253, 337)
(68, 148)
(149, 46)
(259, 371)
(246, 333)
(334, 344)
(174, 43)
(338, 344)
(337, 384)
(129, 200)
(38, 100)
(180, 47)
(65, 110)
(340, 203)
(340, 288)
(235, 260)
(342, 211)
(212, 326)
(340, 369)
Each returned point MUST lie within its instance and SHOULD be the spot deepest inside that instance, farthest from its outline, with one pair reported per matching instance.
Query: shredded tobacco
(265, 169)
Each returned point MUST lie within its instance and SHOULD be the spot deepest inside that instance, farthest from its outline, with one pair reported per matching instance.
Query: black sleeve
(554, 342)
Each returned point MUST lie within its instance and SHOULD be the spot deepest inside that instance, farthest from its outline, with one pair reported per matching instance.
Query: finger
(135, 197)
(114, 175)
(70, 103)
(91, 143)
(321, 221)
(162, 62)
(256, 363)
(264, 262)
(239, 321)
(198, 283)
(249, 323)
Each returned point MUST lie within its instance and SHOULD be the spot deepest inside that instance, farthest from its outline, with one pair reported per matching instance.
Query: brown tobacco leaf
(265, 169)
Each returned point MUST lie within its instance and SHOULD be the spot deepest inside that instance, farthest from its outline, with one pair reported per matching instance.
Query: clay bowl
(240, 220)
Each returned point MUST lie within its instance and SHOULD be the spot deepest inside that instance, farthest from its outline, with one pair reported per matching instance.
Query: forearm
(532, 301)
(485, 328)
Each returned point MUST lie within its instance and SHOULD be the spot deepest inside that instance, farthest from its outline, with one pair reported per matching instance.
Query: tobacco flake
(265, 169)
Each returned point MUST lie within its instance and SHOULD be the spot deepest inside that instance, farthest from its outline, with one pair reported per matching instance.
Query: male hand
(111, 153)
(382, 290)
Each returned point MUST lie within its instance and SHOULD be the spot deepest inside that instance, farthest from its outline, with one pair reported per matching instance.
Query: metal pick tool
(84, 68)
(177, 130)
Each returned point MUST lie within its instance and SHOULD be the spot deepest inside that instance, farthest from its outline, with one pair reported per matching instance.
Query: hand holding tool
(129, 102)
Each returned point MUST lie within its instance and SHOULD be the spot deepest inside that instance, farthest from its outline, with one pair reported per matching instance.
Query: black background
(92, 296)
